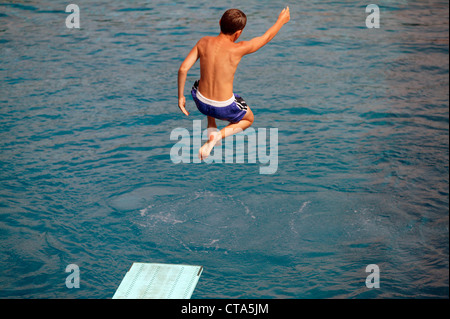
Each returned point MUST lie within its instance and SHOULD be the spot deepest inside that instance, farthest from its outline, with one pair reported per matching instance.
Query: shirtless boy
(219, 57)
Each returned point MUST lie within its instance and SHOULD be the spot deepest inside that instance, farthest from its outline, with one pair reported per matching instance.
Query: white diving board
(158, 281)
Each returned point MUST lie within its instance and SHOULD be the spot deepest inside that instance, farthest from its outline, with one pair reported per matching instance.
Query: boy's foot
(206, 149)
(212, 130)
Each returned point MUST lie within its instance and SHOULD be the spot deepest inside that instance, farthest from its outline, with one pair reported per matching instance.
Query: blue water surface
(86, 176)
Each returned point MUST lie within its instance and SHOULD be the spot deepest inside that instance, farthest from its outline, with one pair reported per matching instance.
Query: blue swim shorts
(232, 110)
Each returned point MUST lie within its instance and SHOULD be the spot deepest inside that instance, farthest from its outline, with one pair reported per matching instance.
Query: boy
(219, 57)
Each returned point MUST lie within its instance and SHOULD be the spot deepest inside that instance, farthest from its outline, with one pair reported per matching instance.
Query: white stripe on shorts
(215, 103)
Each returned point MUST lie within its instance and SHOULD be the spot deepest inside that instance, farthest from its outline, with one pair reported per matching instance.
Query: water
(362, 117)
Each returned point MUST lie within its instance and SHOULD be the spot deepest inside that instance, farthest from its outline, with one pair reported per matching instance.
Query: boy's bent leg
(234, 128)
(211, 122)
(230, 129)
(212, 127)
(214, 137)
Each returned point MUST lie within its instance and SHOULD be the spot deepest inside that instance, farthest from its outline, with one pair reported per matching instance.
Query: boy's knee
(249, 116)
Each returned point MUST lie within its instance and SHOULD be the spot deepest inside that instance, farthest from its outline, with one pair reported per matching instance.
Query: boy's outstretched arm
(190, 60)
(257, 43)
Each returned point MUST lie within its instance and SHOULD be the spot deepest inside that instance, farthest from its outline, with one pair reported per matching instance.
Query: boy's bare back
(219, 58)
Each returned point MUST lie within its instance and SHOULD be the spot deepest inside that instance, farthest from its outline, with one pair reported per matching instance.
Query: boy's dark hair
(232, 20)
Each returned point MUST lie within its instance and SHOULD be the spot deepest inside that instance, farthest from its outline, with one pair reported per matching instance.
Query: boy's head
(232, 20)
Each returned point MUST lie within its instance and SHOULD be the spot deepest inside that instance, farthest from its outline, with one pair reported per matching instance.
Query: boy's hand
(284, 16)
(182, 104)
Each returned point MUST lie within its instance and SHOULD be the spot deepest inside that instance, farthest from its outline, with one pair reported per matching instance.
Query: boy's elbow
(183, 70)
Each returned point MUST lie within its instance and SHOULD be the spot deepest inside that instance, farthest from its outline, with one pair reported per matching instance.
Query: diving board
(158, 281)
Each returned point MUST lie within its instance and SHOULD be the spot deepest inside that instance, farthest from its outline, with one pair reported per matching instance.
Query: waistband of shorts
(214, 103)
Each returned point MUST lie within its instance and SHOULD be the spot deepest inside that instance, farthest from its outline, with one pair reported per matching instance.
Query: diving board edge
(159, 281)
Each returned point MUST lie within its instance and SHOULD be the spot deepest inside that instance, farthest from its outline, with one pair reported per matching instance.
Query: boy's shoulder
(203, 42)
(205, 39)
(207, 43)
